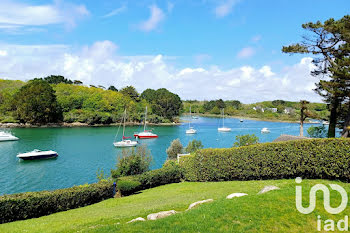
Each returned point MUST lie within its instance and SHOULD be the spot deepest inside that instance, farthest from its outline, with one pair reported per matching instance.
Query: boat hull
(191, 131)
(125, 144)
(35, 157)
(8, 139)
(224, 129)
(145, 137)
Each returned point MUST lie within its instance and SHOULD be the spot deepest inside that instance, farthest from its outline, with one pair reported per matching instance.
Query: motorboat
(223, 128)
(125, 142)
(241, 120)
(190, 129)
(38, 154)
(7, 137)
(265, 130)
(146, 134)
(325, 123)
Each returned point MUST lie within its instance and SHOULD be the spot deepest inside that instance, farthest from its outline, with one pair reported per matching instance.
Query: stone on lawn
(161, 214)
(195, 204)
(268, 189)
(137, 220)
(232, 195)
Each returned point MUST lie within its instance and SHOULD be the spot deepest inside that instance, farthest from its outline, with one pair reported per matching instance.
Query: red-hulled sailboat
(146, 133)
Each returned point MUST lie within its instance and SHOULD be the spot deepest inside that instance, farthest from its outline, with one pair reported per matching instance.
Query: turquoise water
(82, 151)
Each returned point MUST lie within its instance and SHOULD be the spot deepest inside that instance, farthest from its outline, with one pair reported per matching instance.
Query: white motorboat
(223, 128)
(125, 142)
(241, 120)
(7, 137)
(325, 123)
(265, 130)
(38, 154)
(190, 129)
(146, 134)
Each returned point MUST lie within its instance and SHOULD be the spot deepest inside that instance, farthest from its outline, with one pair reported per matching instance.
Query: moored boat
(124, 142)
(38, 154)
(223, 128)
(190, 129)
(7, 137)
(146, 134)
(265, 130)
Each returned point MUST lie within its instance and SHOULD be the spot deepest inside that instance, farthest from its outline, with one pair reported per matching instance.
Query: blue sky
(229, 48)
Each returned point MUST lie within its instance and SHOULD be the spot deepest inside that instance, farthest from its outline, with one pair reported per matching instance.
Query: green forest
(55, 99)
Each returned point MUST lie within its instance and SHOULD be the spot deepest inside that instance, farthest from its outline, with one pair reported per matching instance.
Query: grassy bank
(270, 212)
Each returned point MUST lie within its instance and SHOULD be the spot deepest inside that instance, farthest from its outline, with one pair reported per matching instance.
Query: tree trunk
(345, 132)
(301, 122)
(333, 118)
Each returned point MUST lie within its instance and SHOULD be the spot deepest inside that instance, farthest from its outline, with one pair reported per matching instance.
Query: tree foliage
(36, 103)
(317, 132)
(193, 146)
(56, 79)
(174, 149)
(246, 140)
(131, 92)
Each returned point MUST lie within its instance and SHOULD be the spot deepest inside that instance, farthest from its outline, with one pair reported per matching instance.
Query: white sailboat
(146, 133)
(190, 129)
(125, 142)
(265, 130)
(223, 128)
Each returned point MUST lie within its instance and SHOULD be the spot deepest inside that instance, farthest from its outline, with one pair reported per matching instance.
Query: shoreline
(249, 118)
(78, 124)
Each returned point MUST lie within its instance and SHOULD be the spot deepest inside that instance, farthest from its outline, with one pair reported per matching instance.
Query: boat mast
(144, 127)
(223, 118)
(189, 122)
(124, 124)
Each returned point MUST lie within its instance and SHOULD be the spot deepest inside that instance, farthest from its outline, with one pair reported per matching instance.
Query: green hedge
(316, 158)
(35, 204)
(169, 173)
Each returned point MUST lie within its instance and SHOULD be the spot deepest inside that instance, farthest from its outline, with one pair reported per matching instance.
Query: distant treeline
(57, 99)
(273, 110)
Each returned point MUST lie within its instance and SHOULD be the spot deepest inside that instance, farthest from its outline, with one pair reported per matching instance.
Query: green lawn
(270, 212)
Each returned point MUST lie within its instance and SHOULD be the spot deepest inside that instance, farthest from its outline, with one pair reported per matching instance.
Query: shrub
(174, 149)
(193, 146)
(35, 204)
(171, 172)
(246, 140)
(314, 159)
(133, 162)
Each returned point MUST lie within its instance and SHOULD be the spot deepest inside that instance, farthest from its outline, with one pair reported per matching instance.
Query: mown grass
(270, 212)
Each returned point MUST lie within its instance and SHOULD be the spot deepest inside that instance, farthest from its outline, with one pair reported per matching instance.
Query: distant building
(272, 109)
(288, 110)
(258, 108)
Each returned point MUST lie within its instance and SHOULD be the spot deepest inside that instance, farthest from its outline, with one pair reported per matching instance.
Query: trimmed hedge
(35, 204)
(171, 172)
(314, 159)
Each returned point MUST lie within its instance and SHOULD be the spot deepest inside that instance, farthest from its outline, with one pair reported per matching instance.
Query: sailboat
(146, 133)
(190, 129)
(223, 128)
(125, 142)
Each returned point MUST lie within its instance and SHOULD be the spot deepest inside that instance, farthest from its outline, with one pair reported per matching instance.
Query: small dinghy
(38, 154)
(265, 130)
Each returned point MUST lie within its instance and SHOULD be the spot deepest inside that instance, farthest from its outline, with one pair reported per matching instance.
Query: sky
(199, 49)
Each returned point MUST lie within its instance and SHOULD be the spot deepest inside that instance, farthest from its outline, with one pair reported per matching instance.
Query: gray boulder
(161, 214)
(195, 204)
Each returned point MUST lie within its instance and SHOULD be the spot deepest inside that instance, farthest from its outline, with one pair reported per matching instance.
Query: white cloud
(14, 14)
(99, 64)
(246, 52)
(225, 8)
(156, 16)
(116, 11)
(3, 53)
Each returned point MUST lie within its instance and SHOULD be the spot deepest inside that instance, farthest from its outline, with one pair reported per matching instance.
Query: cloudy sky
(200, 49)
